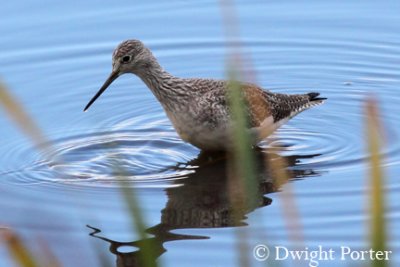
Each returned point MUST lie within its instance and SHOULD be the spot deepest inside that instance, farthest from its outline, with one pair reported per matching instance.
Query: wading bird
(199, 108)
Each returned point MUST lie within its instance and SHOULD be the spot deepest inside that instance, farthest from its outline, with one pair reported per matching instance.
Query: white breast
(218, 138)
(198, 135)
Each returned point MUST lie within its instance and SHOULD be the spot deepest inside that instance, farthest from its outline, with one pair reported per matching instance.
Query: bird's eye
(126, 59)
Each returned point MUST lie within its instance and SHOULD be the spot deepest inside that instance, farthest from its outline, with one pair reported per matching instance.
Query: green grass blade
(378, 235)
(243, 184)
(289, 207)
(18, 251)
(21, 118)
(148, 257)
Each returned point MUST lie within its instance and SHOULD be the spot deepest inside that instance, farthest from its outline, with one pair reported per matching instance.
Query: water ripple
(109, 158)
(350, 70)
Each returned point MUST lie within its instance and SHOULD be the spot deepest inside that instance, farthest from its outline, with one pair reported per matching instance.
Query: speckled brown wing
(258, 108)
(262, 104)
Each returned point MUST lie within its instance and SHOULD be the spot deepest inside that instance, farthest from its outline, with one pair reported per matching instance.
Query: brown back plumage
(262, 104)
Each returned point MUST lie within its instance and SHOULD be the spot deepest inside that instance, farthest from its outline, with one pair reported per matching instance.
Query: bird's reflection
(203, 200)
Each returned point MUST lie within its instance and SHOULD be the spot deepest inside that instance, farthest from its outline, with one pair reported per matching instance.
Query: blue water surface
(56, 55)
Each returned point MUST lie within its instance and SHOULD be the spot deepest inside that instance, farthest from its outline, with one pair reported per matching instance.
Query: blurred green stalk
(147, 255)
(243, 153)
(21, 118)
(19, 252)
(377, 202)
(243, 178)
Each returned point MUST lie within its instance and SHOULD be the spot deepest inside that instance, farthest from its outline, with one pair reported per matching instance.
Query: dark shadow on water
(202, 201)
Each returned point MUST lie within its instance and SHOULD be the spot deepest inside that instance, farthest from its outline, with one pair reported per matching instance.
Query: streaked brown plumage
(198, 108)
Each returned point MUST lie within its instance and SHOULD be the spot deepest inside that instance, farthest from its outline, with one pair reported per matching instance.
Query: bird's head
(130, 56)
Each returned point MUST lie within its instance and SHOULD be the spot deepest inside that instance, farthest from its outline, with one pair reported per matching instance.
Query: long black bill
(114, 75)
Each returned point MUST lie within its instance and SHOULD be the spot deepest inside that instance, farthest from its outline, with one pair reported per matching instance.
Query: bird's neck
(154, 76)
(164, 85)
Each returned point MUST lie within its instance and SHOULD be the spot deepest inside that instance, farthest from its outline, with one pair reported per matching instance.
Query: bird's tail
(286, 106)
(313, 97)
(310, 100)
